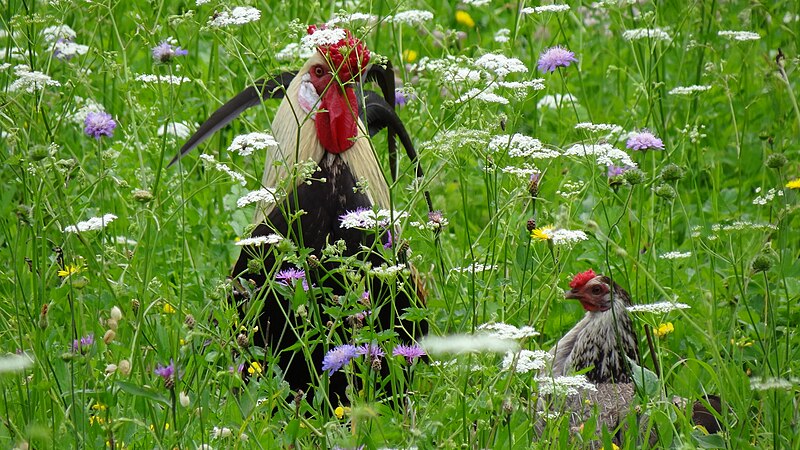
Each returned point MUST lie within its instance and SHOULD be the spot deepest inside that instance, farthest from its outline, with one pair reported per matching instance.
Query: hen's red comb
(349, 57)
(582, 278)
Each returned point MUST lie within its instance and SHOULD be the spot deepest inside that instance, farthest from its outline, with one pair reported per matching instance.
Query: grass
(164, 261)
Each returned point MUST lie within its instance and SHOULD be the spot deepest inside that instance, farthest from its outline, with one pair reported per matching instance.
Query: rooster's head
(327, 92)
(595, 292)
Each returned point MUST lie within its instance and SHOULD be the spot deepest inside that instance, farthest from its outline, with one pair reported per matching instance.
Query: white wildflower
(500, 65)
(606, 154)
(353, 17)
(223, 432)
(526, 171)
(236, 176)
(570, 189)
(86, 106)
(473, 268)
(505, 331)
(762, 200)
(93, 224)
(123, 240)
(385, 272)
(598, 127)
(68, 49)
(656, 34)
(556, 101)
(170, 79)
(294, 51)
(484, 95)
(184, 399)
(743, 225)
(658, 308)
(257, 241)
(525, 361)
(201, 2)
(240, 15)
(536, 84)
(688, 90)
(323, 36)
(266, 195)
(31, 81)
(245, 144)
(178, 129)
(502, 35)
(521, 146)
(53, 33)
(411, 17)
(676, 255)
(740, 35)
(467, 343)
(476, 2)
(568, 385)
(544, 9)
(369, 219)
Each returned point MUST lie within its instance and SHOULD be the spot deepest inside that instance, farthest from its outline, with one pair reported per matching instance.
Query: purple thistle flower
(99, 124)
(164, 52)
(644, 140)
(372, 351)
(410, 352)
(338, 357)
(616, 171)
(399, 98)
(554, 58)
(436, 217)
(83, 343)
(165, 372)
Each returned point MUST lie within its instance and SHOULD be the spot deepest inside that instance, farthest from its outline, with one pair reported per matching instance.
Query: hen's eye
(596, 290)
(318, 71)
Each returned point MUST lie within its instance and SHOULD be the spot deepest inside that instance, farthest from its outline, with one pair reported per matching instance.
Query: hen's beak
(572, 294)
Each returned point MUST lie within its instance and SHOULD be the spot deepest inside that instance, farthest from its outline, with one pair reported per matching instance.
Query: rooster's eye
(596, 290)
(319, 71)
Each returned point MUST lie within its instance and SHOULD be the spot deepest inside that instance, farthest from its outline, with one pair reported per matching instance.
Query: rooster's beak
(572, 294)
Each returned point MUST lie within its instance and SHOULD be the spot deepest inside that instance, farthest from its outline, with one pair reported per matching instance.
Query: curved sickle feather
(380, 114)
(253, 95)
(384, 76)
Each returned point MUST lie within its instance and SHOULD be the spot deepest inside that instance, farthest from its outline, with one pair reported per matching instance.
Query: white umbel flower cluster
(239, 15)
(169, 79)
(606, 154)
(485, 95)
(369, 219)
(257, 241)
(521, 146)
(323, 36)
(245, 144)
(473, 268)
(599, 127)
(688, 90)
(505, 331)
(236, 176)
(739, 35)
(180, 130)
(653, 34)
(658, 308)
(30, 81)
(525, 361)
(676, 255)
(93, 224)
(566, 385)
(500, 65)
(545, 8)
(385, 272)
(267, 195)
(294, 51)
(567, 238)
(411, 17)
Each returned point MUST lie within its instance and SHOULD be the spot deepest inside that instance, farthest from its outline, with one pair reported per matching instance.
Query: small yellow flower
(541, 234)
(340, 411)
(794, 184)
(69, 269)
(182, 341)
(409, 55)
(465, 19)
(255, 368)
(99, 407)
(664, 329)
(614, 446)
(169, 309)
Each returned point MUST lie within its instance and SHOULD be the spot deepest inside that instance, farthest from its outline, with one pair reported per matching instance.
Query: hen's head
(596, 292)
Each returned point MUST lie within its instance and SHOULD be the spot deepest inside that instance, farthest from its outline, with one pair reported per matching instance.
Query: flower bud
(189, 321)
(242, 340)
(762, 263)
(665, 191)
(142, 195)
(116, 313)
(531, 225)
(776, 160)
(111, 368)
(183, 397)
(112, 324)
(125, 367)
(671, 172)
(109, 336)
(634, 176)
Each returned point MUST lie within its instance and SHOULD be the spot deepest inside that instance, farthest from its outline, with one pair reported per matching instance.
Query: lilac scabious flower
(410, 352)
(165, 372)
(287, 277)
(164, 52)
(338, 357)
(372, 351)
(616, 171)
(644, 140)
(83, 343)
(399, 98)
(554, 58)
(99, 124)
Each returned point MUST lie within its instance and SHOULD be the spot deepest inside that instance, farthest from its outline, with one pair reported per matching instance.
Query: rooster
(321, 118)
(604, 342)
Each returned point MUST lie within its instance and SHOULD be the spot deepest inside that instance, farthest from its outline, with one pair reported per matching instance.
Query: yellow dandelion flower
(69, 269)
(541, 234)
(169, 309)
(664, 329)
(465, 19)
(794, 184)
(409, 55)
(255, 368)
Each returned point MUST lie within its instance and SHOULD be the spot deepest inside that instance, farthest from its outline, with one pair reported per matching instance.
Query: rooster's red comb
(582, 278)
(348, 55)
